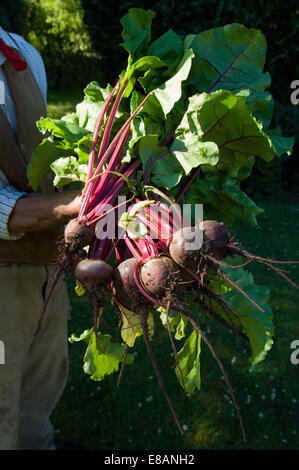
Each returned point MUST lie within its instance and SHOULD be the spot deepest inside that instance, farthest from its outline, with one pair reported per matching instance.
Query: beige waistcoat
(15, 152)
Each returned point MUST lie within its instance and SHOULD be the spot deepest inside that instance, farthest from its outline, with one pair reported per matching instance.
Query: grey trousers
(34, 369)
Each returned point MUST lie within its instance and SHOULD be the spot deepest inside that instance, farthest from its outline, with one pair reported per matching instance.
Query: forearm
(37, 211)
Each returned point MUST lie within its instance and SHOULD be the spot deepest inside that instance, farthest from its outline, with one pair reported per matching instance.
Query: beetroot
(124, 287)
(185, 247)
(160, 275)
(189, 244)
(93, 273)
(215, 238)
(78, 235)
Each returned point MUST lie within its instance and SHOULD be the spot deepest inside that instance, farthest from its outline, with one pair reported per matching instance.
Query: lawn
(133, 416)
(63, 101)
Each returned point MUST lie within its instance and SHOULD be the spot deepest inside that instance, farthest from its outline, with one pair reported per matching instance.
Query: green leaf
(167, 47)
(150, 67)
(190, 152)
(82, 149)
(144, 64)
(181, 327)
(257, 325)
(68, 130)
(131, 327)
(40, 161)
(89, 109)
(230, 58)
(67, 169)
(152, 119)
(95, 93)
(171, 91)
(225, 119)
(279, 143)
(165, 172)
(136, 31)
(177, 322)
(85, 337)
(151, 79)
(261, 104)
(88, 113)
(189, 364)
(102, 356)
(79, 288)
(223, 199)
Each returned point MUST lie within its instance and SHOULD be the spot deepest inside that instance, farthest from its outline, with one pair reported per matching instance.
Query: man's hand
(39, 211)
(70, 209)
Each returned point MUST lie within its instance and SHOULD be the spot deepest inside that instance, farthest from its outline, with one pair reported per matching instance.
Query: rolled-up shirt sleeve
(9, 195)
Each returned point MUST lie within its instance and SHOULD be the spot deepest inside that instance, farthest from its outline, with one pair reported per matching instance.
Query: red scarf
(18, 63)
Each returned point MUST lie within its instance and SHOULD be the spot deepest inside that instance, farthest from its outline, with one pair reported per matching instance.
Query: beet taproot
(92, 273)
(124, 286)
(78, 235)
(185, 247)
(215, 238)
(160, 276)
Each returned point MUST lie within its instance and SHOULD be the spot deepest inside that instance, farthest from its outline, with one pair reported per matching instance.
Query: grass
(100, 415)
(63, 101)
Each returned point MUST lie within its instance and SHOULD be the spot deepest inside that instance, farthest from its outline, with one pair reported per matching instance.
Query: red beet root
(124, 287)
(160, 276)
(185, 247)
(78, 235)
(93, 273)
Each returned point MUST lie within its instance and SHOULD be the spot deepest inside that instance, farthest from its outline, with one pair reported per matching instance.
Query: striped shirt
(9, 194)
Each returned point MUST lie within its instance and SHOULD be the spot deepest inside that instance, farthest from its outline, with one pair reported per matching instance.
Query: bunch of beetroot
(156, 266)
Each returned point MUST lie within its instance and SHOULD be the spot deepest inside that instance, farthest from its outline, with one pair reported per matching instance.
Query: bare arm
(38, 211)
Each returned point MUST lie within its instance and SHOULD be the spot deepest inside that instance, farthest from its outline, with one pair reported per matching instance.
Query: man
(35, 369)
